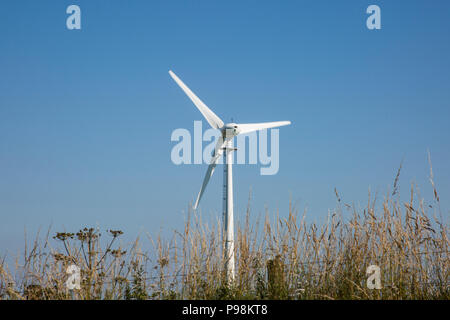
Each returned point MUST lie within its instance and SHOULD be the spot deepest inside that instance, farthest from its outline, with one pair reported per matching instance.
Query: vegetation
(283, 259)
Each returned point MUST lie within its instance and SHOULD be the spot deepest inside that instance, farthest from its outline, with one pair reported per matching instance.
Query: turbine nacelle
(230, 130)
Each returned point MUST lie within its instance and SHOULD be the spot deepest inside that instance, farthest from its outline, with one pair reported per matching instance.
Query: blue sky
(86, 115)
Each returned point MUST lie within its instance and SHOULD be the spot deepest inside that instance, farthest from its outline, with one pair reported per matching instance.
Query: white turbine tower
(229, 131)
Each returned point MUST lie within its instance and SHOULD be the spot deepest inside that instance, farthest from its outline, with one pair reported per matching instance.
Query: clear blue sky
(86, 116)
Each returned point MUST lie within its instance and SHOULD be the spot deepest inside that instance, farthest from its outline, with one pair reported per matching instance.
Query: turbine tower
(224, 143)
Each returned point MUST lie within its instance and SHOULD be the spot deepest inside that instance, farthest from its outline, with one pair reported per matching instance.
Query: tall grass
(286, 258)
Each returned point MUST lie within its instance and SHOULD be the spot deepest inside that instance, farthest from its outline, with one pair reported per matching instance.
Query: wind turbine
(225, 143)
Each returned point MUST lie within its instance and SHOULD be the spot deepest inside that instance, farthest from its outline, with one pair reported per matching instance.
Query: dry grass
(284, 259)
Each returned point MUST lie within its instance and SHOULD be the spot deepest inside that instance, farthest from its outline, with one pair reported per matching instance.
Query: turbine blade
(249, 127)
(210, 116)
(218, 151)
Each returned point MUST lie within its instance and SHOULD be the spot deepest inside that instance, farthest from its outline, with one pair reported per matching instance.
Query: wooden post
(276, 278)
